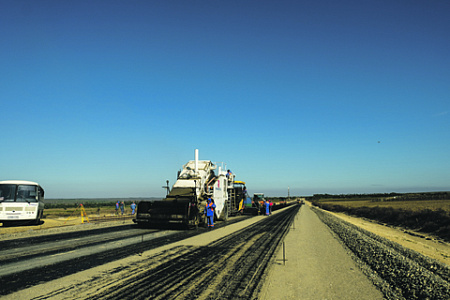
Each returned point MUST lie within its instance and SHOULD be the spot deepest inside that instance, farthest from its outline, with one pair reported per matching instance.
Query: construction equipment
(237, 193)
(186, 201)
(253, 206)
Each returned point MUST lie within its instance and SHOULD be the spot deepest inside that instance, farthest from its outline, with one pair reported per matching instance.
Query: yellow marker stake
(83, 214)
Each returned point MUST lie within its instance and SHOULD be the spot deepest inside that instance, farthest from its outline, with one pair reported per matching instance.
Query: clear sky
(110, 98)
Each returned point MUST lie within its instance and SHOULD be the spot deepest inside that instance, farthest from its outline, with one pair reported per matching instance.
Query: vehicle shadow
(22, 223)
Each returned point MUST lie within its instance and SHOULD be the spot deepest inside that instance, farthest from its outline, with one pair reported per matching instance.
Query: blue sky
(110, 98)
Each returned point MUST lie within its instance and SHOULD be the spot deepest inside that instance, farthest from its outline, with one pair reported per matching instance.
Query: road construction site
(297, 252)
(207, 240)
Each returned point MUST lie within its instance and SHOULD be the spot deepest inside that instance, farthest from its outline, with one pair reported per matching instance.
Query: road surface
(317, 266)
(325, 258)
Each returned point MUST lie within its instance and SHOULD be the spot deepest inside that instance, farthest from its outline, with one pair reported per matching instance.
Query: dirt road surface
(228, 262)
(317, 266)
(58, 225)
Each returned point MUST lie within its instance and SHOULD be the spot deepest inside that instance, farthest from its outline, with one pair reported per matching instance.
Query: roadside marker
(284, 255)
(83, 214)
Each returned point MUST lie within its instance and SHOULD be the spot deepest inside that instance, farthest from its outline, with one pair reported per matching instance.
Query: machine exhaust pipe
(196, 161)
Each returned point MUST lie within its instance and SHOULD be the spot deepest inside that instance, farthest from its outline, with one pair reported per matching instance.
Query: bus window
(7, 192)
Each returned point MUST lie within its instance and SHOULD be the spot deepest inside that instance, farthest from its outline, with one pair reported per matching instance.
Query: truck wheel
(202, 221)
(225, 213)
(195, 221)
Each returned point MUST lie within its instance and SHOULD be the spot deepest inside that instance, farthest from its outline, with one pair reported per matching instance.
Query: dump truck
(184, 204)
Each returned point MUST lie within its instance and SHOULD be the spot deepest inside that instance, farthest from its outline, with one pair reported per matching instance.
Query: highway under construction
(242, 258)
(157, 258)
(238, 251)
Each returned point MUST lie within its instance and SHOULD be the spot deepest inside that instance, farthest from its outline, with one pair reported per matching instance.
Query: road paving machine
(186, 201)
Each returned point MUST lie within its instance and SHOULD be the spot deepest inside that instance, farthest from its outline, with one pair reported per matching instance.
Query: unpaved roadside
(419, 242)
(52, 226)
(186, 268)
(316, 266)
(81, 285)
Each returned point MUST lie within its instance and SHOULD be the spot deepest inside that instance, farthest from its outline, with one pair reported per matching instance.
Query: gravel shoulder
(317, 266)
(419, 242)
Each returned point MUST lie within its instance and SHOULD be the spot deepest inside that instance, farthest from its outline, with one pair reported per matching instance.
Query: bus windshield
(18, 193)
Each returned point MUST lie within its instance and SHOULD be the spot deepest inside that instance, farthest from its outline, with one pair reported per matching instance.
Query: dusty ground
(426, 246)
(166, 264)
(50, 226)
(317, 267)
(422, 243)
(419, 242)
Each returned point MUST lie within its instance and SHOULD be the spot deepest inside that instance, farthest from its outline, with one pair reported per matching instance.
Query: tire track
(230, 268)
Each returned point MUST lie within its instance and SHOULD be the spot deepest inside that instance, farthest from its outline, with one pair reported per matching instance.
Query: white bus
(21, 202)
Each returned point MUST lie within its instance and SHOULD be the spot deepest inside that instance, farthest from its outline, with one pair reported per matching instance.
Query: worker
(122, 207)
(270, 206)
(117, 207)
(229, 175)
(209, 212)
(267, 206)
(133, 207)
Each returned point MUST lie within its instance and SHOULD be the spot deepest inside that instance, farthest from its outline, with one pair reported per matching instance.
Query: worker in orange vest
(209, 212)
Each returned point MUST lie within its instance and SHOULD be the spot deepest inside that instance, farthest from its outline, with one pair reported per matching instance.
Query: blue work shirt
(209, 209)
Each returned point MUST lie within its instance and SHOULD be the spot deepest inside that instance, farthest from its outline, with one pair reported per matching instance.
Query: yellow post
(83, 214)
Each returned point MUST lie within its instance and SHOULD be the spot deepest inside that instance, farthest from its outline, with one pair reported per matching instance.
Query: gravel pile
(400, 273)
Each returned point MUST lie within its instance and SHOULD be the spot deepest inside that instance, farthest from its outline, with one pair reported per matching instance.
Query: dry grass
(411, 205)
(76, 212)
(428, 216)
